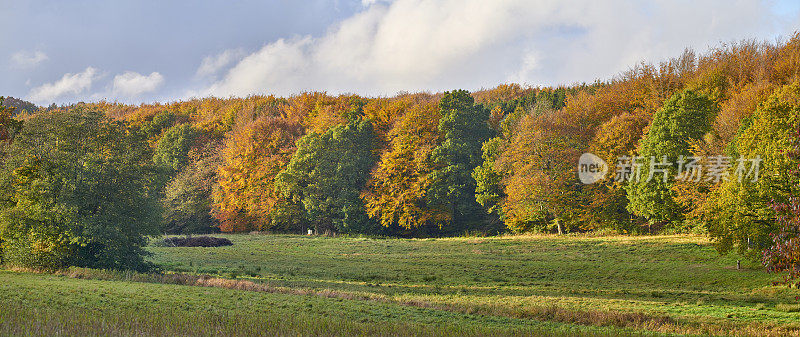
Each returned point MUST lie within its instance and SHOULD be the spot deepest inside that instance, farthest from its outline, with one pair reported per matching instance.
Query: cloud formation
(131, 84)
(24, 59)
(68, 84)
(437, 45)
(211, 65)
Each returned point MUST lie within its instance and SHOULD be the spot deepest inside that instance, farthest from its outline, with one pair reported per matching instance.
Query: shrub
(197, 241)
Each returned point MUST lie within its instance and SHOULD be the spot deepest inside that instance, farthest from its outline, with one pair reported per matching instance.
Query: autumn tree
(541, 183)
(8, 125)
(616, 138)
(740, 213)
(253, 154)
(18, 106)
(491, 175)
(396, 192)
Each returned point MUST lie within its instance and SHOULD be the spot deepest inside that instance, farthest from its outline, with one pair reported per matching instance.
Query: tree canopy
(77, 189)
(326, 175)
(684, 118)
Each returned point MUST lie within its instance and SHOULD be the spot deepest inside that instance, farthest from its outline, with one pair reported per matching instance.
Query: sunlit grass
(681, 277)
(508, 285)
(49, 305)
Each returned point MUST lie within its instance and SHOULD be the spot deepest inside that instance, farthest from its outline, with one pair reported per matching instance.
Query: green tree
(76, 188)
(8, 125)
(740, 213)
(187, 197)
(172, 149)
(684, 118)
(783, 255)
(489, 190)
(160, 122)
(326, 175)
(464, 127)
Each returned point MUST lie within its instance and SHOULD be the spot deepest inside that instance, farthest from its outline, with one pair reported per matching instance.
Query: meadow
(506, 285)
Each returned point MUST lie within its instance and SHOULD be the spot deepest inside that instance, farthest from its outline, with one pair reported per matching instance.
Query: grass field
(520, 285)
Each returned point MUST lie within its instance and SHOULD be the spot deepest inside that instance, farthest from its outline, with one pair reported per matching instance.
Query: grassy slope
(678, 276)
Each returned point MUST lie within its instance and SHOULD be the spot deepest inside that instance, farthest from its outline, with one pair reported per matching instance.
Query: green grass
(47, 305)
(681, 277)
(522, 285)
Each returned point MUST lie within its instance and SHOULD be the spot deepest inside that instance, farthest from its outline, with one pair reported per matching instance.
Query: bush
(197, 241)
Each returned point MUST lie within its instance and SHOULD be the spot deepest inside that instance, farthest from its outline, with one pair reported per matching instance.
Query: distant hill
(20, 105)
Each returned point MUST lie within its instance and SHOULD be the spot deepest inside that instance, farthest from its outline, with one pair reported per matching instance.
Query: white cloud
(211, 65)
(435, 45)
(68, 84)
(367, 3)
(24, 59)
(131, 84)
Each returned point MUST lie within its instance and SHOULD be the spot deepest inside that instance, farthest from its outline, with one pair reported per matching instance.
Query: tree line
(89, 180)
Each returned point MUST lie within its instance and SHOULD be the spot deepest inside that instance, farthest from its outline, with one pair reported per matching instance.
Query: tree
(492, 175)
(160, 122)
(540, 179)
(489, 191)
(8, 125)
(172, 149)
(784, 254)
(253, 155)
(187, 197)
(76, 189)
(18, 106)
(684, 118)
(741, 214)
(464, 127)
(395, 196)
(326, 175)
(616, 138)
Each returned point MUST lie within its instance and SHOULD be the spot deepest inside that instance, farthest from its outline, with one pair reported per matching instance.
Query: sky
(166, 50)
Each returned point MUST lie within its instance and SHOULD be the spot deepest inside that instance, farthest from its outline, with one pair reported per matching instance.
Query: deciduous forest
(499, 160)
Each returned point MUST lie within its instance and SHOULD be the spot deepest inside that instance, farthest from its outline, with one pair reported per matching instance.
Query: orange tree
(395, 194)
(253, 154)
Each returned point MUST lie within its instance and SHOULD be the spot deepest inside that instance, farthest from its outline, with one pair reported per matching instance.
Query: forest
(85, 184)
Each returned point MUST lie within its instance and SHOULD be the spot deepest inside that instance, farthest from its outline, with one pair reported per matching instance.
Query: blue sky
(142, 51)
